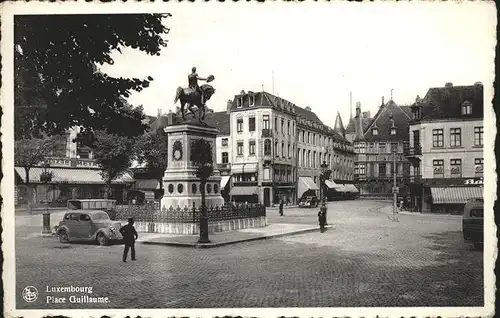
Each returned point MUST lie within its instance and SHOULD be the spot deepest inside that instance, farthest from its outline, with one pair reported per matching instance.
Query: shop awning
(224, 181)
(244, 168)
(147, 184)
(69, 175)
(332, 185)
(304, 184)
(243, 190)
(455, 195)
(351, 188)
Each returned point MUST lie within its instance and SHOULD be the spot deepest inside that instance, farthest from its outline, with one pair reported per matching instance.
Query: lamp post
(45, 178)
(322, 191)
(395, 190)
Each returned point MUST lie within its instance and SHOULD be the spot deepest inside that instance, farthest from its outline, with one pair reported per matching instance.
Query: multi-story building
(278, 149)
(379, 149)
(446, 148)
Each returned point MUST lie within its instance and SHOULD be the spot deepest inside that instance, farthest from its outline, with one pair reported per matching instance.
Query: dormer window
(239, 102)
(466, 108)
(375, 131)
(251, 100)
(393, 131)
(416, 113)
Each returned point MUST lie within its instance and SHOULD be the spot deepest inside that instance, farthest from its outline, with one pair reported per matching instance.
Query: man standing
(193, 79)
(281, 208)
(129, 236)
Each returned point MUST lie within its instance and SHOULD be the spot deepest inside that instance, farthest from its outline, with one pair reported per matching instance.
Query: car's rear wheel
(102, 240)
(63, 236)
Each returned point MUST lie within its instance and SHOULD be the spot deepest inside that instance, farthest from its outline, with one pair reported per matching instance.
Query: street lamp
(45, 178)
(322, 194)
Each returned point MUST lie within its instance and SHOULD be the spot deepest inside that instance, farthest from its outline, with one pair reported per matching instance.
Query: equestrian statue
(195, 95)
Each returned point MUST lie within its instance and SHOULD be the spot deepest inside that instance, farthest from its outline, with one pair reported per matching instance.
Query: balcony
(224, 166)
(414, 151)
(416, 178)
(267, 133)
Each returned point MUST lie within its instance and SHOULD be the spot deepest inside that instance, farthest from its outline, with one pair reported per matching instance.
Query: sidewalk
(388, 210)
(230, 237)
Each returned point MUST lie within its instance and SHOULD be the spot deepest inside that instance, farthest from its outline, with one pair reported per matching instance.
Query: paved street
(364, 260)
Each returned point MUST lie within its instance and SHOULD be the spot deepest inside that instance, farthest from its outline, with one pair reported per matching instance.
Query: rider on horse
(193, 79)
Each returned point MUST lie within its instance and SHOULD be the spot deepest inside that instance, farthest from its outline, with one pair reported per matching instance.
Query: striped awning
(243, 191)
(244, 168)
(70, 175)
(332, 185)
(351, 188)
(455, 195)
(224, 180)
(304, 184)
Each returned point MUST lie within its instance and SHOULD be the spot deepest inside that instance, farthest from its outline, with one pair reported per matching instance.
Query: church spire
(339, 126)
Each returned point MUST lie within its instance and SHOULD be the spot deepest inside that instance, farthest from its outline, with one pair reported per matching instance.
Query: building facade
(445, 148)
(278, 148)
(379, 143)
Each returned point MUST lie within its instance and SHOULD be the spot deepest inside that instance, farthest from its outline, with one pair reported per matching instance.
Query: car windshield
(100, 216)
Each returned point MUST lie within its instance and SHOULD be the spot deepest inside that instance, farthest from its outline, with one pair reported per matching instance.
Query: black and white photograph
(253, 159)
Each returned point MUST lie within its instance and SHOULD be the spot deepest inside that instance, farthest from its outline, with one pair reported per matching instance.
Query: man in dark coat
(281, 207)
(129, 236)
(322, 219)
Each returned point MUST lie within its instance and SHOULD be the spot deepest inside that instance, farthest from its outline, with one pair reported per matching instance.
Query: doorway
(267, 197)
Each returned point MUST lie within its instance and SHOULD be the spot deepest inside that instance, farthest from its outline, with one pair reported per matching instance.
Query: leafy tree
(152, 148)
(114, 154)
(30, 152)
(56, 71)
(202, 159)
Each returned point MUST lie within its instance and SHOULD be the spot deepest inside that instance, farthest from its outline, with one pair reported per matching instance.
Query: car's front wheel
(63, 236)
(102, 240)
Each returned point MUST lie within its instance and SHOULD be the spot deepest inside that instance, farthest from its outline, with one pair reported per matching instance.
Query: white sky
(318, 53)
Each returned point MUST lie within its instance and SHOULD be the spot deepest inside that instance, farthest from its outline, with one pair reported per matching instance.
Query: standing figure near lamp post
(45, 178)
(325, 175)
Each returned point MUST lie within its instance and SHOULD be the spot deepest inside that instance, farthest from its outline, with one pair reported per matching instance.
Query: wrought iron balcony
(267, 133)
(408, 151)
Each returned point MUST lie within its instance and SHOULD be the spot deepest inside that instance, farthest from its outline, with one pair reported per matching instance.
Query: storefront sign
(89, 164)
(473, 181)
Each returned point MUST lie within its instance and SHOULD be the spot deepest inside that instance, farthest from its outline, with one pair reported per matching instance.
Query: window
(251, 147)
(283, 150)
(267, 174)
(239, 124)
(381, 147)
(239, 148)
(267, 147)
(478, 136)
(382, 170)
(283, 126)
(265, 122)
(251, 124)
(289, 152)
(225, 157)
(478, 165)
(375, 131)
(416, 113)
(362, 169)
(84, 217)
(224, 142)
(276, 149)
(362, 146)
(251, 100)
(456, 167)
(394, 147)
(393, 131)
(437, 138)
(289, 127)
(276, 124)
(239, 102)
(371, 147)
(455, 137)
(438, 166)
(466, 108)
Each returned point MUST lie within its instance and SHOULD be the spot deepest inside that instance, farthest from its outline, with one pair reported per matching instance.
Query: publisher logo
(30, 294)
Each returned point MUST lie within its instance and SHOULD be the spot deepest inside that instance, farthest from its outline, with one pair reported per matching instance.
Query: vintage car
(309, 202)
(472, 222)
(88, 225)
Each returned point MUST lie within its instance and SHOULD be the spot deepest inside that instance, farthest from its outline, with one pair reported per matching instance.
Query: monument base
(187, 202)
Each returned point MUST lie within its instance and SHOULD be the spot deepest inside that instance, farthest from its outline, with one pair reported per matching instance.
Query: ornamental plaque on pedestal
(180, 184)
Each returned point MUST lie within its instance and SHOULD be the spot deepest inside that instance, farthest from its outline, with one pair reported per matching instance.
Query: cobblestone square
(364, 260)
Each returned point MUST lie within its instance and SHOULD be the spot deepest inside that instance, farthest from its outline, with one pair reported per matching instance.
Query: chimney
(308, 108)
(358, 109)
(382, 102)
(449, 84)
(242, 92)
(170, 118)
(159, 112)
(228, 106)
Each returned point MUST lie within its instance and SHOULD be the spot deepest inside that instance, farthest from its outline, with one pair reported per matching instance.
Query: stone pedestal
(180, 184)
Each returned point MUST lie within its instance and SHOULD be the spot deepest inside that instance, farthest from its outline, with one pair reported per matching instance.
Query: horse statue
(194, 98)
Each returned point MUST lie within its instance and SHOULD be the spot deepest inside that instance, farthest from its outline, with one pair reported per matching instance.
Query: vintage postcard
(308, 159)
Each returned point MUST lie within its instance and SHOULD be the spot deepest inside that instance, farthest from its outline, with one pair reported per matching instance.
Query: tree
(114, 154)
(152, 148)
(30, 152)
(58, 84)
(202, 159)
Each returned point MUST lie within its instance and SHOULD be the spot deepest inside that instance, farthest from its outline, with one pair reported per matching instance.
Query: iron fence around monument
(150, 213)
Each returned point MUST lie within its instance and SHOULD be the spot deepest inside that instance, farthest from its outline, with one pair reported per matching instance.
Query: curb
(212, 245)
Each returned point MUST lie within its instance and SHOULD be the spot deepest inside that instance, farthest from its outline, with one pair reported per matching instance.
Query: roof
(446, 102)
(383, 121)
(220, 120)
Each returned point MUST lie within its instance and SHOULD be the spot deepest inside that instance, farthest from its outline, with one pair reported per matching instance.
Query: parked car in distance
(88, 225)
(309, 202)
(472, 222)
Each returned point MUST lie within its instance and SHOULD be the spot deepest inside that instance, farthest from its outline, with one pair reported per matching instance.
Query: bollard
(46, 224)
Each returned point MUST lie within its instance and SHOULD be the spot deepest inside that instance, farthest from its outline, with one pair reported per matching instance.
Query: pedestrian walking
(322, 220)
(129, 236)
(281, 207)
